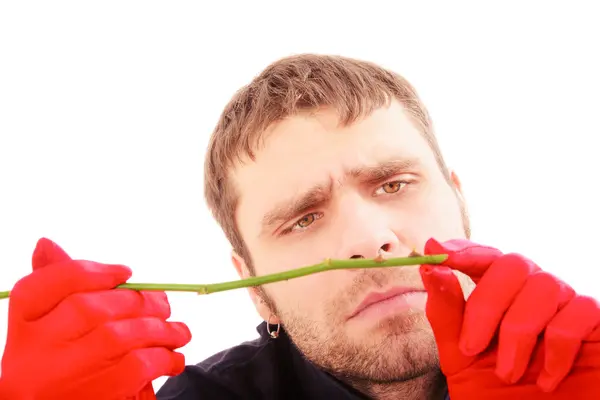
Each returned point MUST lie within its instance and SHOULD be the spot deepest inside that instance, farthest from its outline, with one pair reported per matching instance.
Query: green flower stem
(327, 265)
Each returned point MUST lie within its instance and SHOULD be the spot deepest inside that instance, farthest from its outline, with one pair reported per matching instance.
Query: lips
(377, 297)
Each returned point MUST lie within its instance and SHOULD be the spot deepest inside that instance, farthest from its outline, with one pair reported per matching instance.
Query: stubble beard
(396, 349)
(400, 349)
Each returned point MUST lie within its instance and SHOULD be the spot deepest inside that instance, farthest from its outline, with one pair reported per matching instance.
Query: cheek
(305, 298)
(445, 217)
(292, 253)
(304, 295)
(431, 213)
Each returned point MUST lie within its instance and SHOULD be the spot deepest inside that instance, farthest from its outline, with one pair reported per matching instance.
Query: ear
(260, 304)
(458, 190)
(456, 183)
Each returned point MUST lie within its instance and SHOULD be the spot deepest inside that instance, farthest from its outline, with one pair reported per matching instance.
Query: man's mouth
(400, 297)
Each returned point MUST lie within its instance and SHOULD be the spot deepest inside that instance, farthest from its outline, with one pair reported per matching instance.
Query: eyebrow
(382, 171)
(320, 194)
(316, 196)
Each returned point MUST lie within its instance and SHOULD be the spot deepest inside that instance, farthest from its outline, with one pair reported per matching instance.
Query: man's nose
(365, 230)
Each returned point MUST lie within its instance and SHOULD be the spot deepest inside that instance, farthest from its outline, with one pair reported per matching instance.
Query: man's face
(318, 191)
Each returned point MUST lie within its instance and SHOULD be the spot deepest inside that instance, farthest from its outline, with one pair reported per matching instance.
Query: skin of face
(319, 190)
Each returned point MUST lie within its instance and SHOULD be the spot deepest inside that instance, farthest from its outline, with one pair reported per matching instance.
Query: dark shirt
(261, 369)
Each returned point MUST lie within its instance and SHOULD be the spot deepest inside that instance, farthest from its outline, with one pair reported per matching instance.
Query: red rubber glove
(521, 334)
(72, 336)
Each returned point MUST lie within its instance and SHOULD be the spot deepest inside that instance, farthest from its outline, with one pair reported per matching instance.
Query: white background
(106, 108)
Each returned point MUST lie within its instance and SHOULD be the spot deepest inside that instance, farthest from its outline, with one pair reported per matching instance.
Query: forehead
(307, 150)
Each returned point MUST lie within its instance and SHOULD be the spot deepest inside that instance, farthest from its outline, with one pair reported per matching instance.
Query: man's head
(330, 157)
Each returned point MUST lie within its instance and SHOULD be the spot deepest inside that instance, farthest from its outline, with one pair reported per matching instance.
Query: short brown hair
(299, 83)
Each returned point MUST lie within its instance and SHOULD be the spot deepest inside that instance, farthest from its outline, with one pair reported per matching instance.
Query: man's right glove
(71, 335)
(521, 334)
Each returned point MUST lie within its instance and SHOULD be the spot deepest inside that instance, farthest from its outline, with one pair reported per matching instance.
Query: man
(319, 157)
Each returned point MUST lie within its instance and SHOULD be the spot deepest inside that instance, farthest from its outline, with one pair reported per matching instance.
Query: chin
(398, 348)
(401, 347)
(391, 348)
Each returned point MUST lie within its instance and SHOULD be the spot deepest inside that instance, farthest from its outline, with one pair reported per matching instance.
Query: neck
(430, 386)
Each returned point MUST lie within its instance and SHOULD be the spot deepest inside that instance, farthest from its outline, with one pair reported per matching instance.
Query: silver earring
(273, 334)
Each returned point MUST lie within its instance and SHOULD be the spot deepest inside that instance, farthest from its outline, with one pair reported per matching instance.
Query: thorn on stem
(415, 253)
(379, 258)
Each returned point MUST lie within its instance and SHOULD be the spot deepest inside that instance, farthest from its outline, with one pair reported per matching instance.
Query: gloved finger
(47, 252)
(563, 339)
(594, 336)
(41, 291)
(117, 338)
(87, 310)
(444, 310)
(129, 376)
(532, 309)
(465, 256)
(150, 364)
(492, 297)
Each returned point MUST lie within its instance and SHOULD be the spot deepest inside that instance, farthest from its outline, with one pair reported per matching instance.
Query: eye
(305, 222)
(391, 187)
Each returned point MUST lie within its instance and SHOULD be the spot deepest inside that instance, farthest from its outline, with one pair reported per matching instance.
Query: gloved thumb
(47, 252)
(445, 308)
